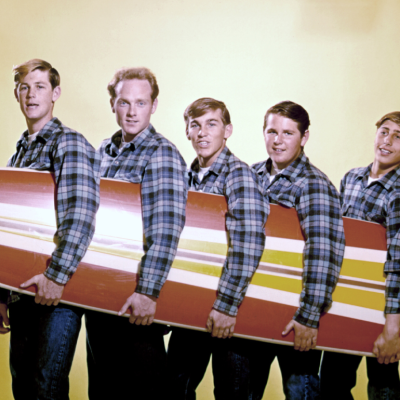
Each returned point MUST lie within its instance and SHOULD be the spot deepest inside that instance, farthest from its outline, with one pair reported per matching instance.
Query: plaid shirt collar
(112, 148)
(216, 168)
(291, 172)
(388, 181)
(43, 135)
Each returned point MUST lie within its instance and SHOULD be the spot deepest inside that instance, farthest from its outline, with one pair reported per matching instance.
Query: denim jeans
(42, 346)
(189, 353)
(339, 376)
(299, 369)
(125, 361)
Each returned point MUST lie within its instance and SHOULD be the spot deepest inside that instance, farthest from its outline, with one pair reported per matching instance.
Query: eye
(22, 87)
(122, 103)
(141, 103)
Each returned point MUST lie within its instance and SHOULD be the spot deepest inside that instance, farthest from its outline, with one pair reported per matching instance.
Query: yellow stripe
(204, 247)
(363, 269)
(283, 258)
(359, 297)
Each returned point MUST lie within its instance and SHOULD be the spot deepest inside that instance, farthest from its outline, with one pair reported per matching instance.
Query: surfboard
(106, 276)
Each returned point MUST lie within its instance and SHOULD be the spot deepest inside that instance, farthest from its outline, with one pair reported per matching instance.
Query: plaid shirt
(75, 165)
(316, 201)
(378, 202)
(245, 221)
(153, 161)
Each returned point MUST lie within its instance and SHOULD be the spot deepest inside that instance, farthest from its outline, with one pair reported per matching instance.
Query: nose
(388, 140)
(278, 138)
(132, 110)
(31, 92)
(202, 132)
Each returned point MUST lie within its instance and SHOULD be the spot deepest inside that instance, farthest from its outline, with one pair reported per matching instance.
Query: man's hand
(4, 321)
(220, 325)
(305, 338)
(143, 308)
(387, 345)
(48, 292)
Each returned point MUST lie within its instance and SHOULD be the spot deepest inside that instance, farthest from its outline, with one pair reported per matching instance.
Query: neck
(36, 126)
(378, 170)
(128, 137)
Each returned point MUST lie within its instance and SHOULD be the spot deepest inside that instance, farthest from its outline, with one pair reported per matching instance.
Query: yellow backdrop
(338, 58)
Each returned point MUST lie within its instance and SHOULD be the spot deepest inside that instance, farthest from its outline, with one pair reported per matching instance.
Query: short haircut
(292, 111)
(393, 116)
(202, 106)
(133, 73)
(25, 68)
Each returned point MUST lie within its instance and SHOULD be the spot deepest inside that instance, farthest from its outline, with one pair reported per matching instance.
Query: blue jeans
(189, 353)
(299, 369)
(339, 376)
(125, 361)
(42, 346)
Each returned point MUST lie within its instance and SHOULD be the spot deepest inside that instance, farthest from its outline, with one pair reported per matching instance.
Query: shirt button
(116, 163)
(268, 191)
(28, 159)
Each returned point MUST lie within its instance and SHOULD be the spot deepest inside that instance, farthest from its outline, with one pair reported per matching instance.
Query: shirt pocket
(285, 199)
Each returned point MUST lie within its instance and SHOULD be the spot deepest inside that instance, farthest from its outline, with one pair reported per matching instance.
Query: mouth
(202, 144)
(32, 105)
(278, 150)
(384, 151)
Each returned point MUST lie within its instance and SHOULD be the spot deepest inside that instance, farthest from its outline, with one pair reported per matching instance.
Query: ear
(16, 94)
(112, 102)
(305, 138)
(154, 106)
(56, 93)
(228, 131)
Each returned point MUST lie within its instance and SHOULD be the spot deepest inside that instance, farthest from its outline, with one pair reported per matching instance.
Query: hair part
(204, 105)
(392, 116)
(21, 70)
(291, 110)
(133, 73)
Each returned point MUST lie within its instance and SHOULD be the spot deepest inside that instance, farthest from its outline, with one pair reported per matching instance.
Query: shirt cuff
(307, 317)
(392, 306)
(226, 305)
(148, 287)
(392, 266)
(57, 274)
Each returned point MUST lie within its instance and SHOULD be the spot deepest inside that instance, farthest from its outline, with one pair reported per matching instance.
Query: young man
(292, 181)
(373, 194)
(43, 339)
(138, 154)
(216, 170)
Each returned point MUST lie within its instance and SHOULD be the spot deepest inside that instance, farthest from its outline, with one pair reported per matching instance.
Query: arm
(387, 345)
(245, 222)
(321, 222)
(76, 172)
(164, 195)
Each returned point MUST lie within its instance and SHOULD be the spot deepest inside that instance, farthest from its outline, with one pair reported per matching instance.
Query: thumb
(124, 308)
(288, 328)
(30, 282)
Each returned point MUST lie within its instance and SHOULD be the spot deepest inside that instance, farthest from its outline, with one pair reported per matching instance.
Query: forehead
(35, 76)
(210, 114)
(276, 121)
(388, 124)
(133, 88)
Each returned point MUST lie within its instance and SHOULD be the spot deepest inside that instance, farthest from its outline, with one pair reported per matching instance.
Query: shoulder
(69, 137)
(315, 180)
(164, 147)
(257, 166)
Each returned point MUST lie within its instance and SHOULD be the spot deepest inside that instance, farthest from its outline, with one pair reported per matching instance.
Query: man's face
(283, 140)
(133, 106)
(36, 97)
(208, 136)
(387, 146)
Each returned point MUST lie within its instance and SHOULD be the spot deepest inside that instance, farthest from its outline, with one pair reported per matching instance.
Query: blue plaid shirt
(378, 202)
(305, 188)
(245, 222)
(153, 161)
(75, 165)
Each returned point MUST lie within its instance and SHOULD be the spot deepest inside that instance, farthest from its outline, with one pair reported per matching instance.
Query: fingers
(209, 324)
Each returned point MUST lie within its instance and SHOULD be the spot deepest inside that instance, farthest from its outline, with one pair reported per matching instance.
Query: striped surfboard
(107, 274)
